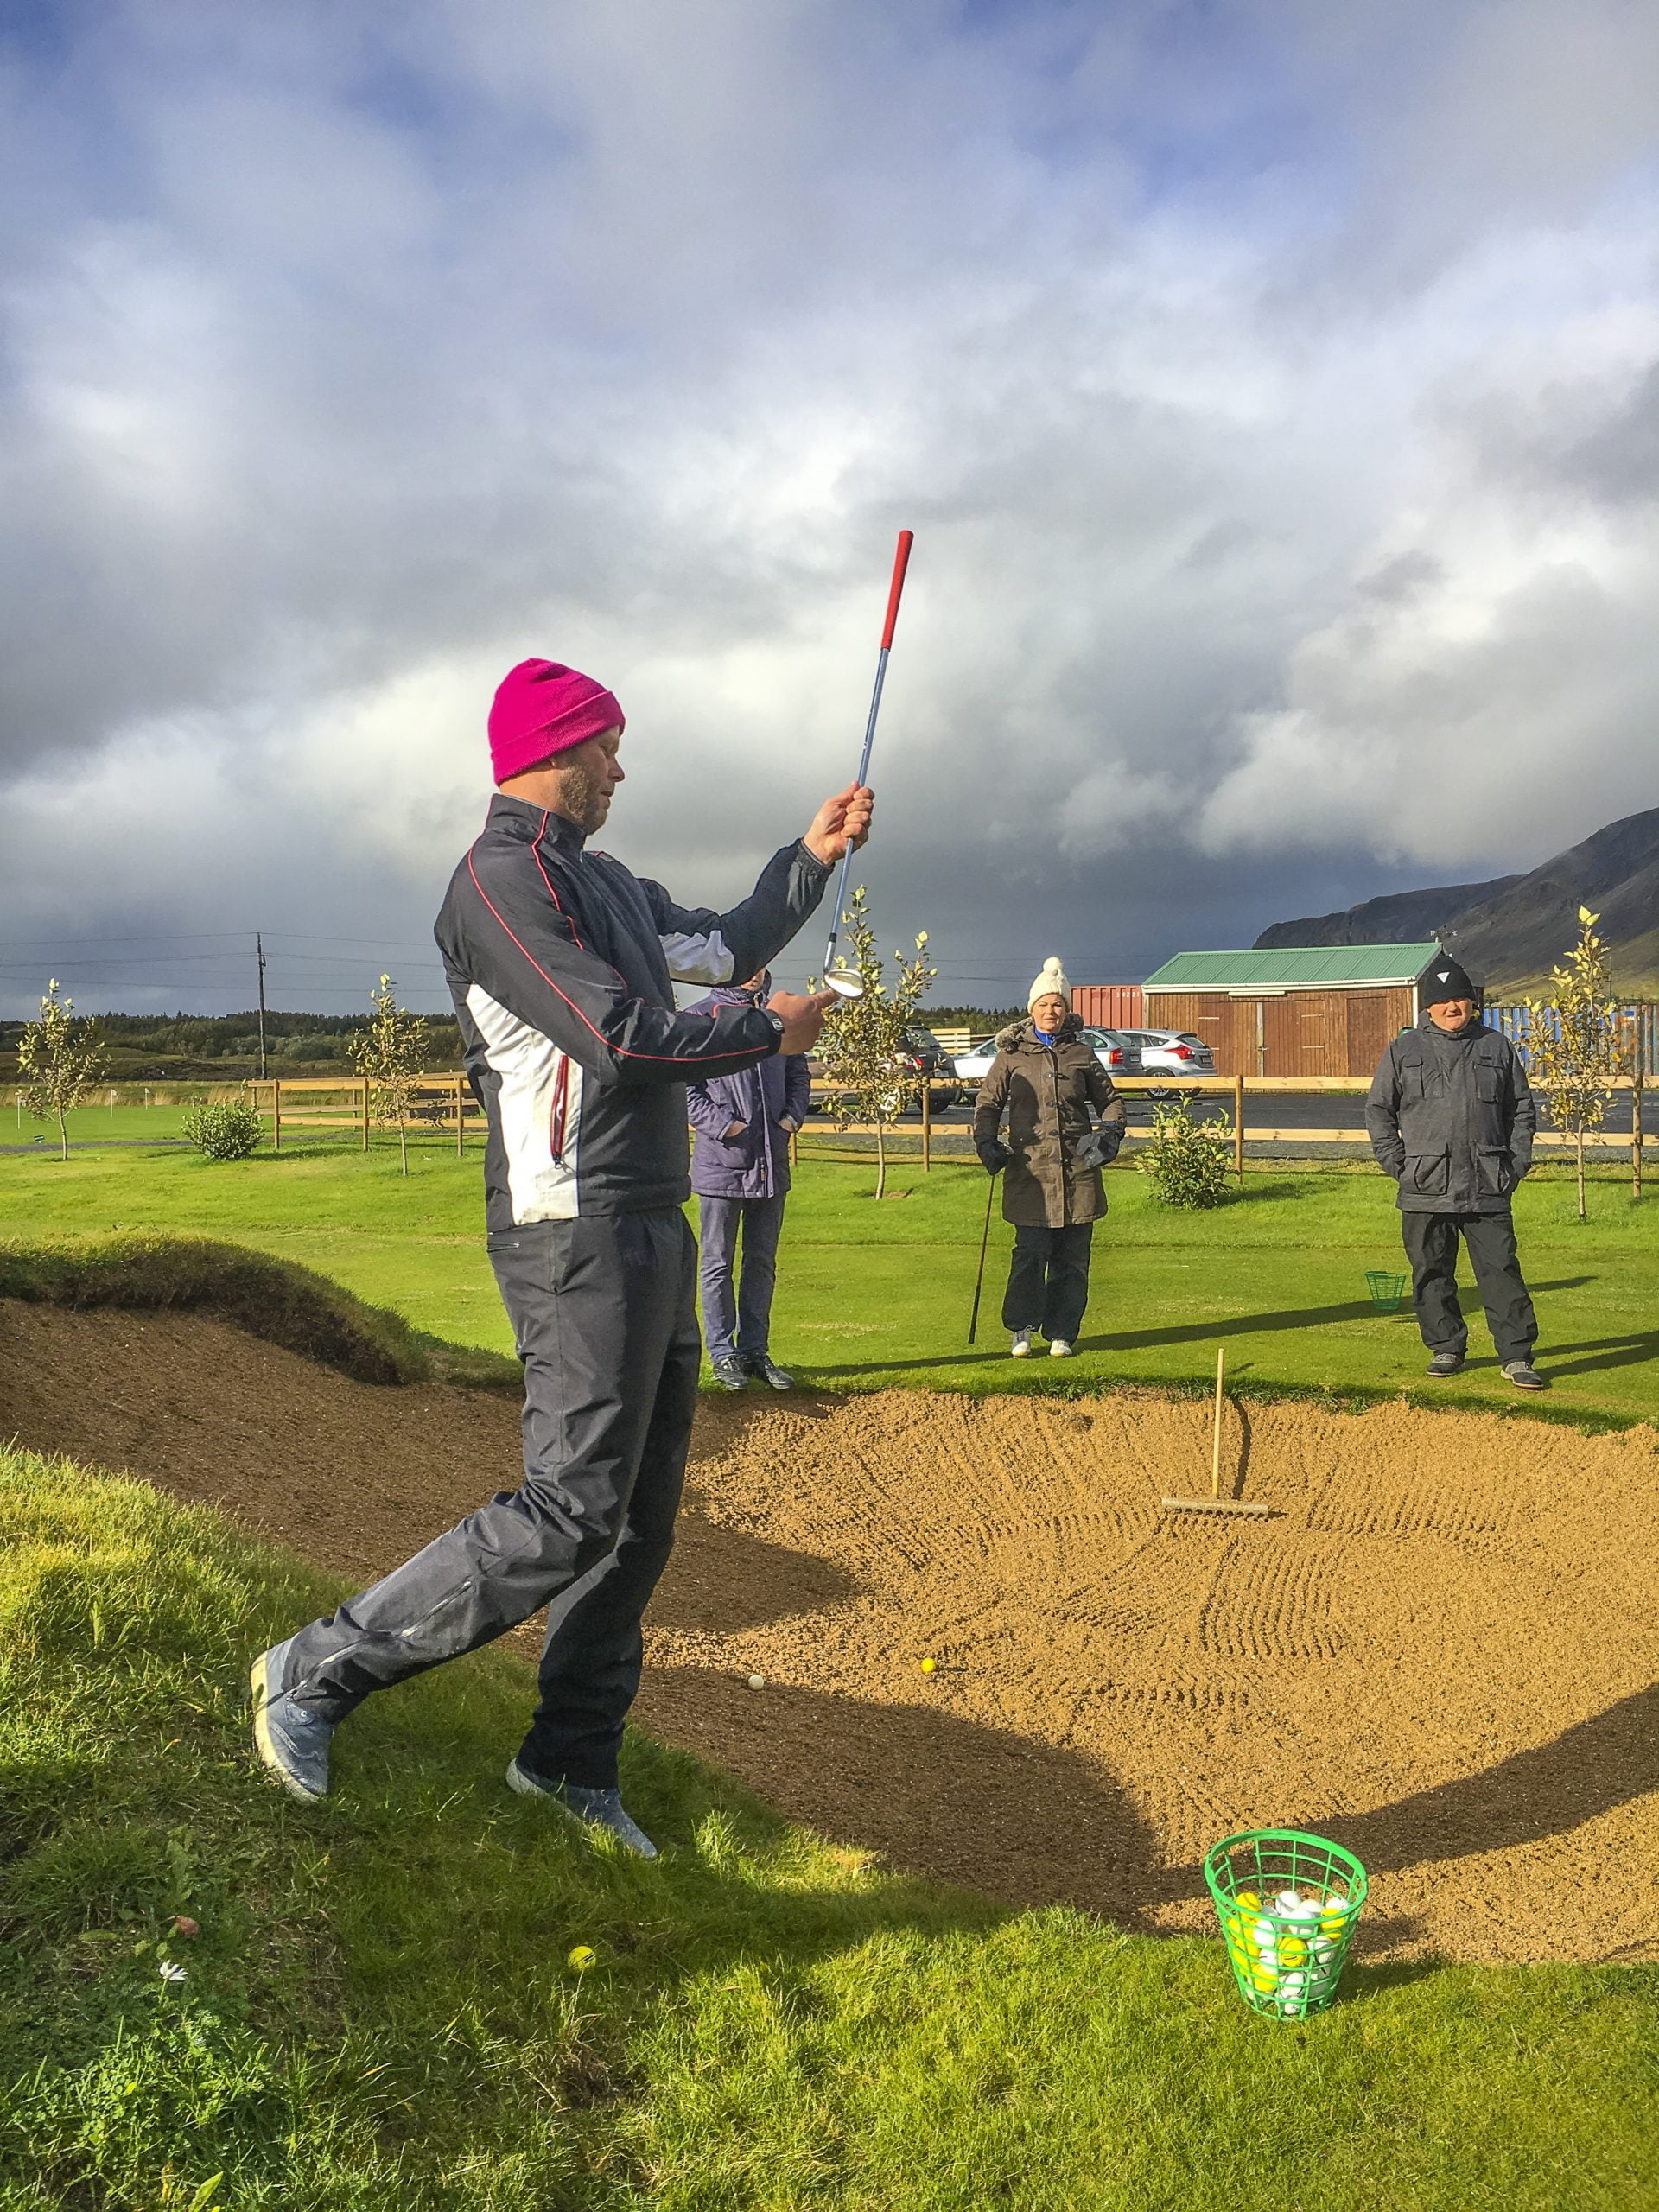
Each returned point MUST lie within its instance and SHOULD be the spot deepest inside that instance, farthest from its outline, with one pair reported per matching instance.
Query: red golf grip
(900, 563)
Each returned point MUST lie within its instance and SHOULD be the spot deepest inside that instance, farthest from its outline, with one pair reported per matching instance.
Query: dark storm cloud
(1269, 389)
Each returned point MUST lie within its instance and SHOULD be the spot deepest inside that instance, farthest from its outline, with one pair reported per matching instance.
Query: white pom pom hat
(1051, 979)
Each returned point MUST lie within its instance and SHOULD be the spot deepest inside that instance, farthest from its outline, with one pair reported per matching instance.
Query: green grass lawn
(873, 1295)
(378, 2011)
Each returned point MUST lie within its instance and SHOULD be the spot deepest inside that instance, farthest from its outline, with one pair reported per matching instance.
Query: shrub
(1188, 1160)
(228, 1132)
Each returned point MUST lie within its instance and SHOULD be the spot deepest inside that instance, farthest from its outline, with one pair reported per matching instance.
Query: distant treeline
(229, 1043)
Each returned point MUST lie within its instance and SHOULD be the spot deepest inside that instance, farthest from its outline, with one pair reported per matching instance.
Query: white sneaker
(1059, 1349)
(1020, 1348)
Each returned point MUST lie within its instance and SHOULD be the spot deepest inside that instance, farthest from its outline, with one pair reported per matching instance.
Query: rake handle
(1214, 1445)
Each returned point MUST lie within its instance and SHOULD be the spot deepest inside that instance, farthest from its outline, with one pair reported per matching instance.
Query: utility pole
(259, 948)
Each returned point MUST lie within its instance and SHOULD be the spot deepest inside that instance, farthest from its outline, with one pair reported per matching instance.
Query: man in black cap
(1451, 1119)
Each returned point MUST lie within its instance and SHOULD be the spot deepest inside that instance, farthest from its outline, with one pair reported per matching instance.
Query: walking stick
(979, 1279)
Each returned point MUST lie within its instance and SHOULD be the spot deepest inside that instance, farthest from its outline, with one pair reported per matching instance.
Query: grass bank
(377, 2007)
(871, 1296)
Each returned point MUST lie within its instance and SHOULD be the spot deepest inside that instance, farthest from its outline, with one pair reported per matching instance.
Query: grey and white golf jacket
(562, 964)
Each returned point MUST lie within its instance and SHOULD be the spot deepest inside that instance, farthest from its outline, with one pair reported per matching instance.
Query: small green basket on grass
(1288, 1904)
(1388, 1289)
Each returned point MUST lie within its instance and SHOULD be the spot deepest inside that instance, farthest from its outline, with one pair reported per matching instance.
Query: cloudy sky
(1273, 388)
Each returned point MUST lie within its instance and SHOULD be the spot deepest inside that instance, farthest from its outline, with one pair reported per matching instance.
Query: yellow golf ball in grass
(930, 1666)
(581, 1958)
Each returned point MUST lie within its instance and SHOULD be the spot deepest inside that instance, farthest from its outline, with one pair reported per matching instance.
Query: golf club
(979, 1279)
(844, 985)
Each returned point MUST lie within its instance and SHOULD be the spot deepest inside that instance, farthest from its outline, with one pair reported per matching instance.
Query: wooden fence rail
(446, 1101)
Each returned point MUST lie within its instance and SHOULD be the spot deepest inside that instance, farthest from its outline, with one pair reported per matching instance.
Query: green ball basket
(1286, 1966)
(1388, 1289)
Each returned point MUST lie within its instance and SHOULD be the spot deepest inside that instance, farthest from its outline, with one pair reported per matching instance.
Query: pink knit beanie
(543, 708)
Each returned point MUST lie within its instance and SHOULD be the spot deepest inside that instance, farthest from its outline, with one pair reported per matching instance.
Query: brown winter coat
(1047, 1091)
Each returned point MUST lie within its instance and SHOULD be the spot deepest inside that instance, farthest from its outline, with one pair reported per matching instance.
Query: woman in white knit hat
(1046, 1079)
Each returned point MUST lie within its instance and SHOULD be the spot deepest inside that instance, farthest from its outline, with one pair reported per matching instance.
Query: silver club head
(843, 985)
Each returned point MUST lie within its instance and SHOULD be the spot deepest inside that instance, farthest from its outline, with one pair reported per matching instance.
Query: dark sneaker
(730, 1374)
(762, 1368)
(593, 1809)
(1525, 1375)
(1443, 1365)
(292, 1743)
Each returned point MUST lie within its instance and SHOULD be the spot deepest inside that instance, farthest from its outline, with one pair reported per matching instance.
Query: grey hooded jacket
(1451, 1119)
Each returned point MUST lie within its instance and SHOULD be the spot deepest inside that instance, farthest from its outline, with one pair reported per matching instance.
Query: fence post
(1238, 1126)
(277, 1113)
(365, 1113)
(927, 1126)
(1636, 1133)
(460, 1129)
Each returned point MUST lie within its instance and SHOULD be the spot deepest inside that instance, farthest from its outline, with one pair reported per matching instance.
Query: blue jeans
(737, 1315)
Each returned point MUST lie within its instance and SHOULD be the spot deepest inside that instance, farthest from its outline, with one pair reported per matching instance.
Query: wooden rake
(1216, 1503)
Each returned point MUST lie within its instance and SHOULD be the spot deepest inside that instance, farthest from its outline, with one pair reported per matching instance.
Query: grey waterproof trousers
(604, 1313)
(1430, 1241)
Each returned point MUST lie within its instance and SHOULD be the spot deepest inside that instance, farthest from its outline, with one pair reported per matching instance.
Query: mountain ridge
(1510, 930)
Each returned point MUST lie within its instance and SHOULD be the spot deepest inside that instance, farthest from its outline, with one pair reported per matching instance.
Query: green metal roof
(1294, 967)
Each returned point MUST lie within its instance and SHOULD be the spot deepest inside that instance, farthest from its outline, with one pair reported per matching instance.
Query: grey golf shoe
(292, 1743)
(1444, 1365)
(592, 1808)
(730, 1374)
(1525, 1375)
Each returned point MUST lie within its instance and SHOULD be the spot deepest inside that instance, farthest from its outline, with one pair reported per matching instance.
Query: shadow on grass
(1636, 1350)
(1207, 1331)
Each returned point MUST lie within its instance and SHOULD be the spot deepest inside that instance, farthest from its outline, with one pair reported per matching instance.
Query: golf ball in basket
(757, 1681)
(1293, 1952)
(1250, 1900)
(1288, 1902)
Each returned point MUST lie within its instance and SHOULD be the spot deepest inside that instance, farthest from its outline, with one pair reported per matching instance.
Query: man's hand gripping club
(841, 822)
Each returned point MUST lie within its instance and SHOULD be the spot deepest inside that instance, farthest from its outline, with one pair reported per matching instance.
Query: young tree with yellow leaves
(1574, 1049)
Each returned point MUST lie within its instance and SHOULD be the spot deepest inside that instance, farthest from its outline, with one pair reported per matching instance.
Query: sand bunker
(1444, 1653)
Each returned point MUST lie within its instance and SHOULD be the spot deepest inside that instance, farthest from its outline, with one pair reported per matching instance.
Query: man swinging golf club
(561, 964)
(1450, 1119)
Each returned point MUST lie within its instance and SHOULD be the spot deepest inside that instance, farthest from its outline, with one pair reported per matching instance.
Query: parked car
(923, 1055)
(1174, 1052)
(1115, 1049)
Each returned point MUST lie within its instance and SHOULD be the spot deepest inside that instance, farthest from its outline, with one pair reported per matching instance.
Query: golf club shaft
(900, 562)
(979, 1279)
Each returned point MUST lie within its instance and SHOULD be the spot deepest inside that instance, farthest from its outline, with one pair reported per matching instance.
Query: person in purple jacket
(739, 1171)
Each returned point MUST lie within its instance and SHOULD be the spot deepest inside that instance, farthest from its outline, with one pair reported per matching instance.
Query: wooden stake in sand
(1216, 1503)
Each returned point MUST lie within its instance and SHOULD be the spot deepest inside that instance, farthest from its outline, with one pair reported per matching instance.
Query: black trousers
(1048, 1279)
(604, 1314)
(1431, 1241)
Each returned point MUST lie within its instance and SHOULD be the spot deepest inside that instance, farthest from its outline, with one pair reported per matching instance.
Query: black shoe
(760, 1366)
(1444, 1365)
(731, 1374)
(1525, 1375)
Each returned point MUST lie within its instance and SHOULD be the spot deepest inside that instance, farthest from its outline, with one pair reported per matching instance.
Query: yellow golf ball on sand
(930, 1666)
(582, 1957)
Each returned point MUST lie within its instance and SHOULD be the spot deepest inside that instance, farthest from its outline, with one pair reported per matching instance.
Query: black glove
(1097, 1147)
(992, 1156)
